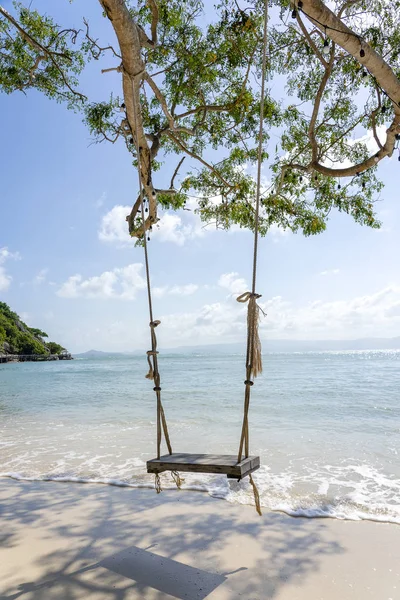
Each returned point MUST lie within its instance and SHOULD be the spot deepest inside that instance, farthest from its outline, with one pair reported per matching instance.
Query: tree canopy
(190, 89)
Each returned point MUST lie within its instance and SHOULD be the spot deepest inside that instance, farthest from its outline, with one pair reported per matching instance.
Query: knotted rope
(177, 478)
(157, 483)
(253, 354)
(152, 355)
(253, 338)
(153, 352)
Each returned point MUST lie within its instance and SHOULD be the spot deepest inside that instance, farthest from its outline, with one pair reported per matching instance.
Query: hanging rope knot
(150, 374)
(254, 358)
(247, 295)
(177, 478)
(157, 483)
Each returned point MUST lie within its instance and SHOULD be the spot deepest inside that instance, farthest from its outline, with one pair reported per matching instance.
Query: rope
(253, 338)
(253, 353)
(157, 483)
(256, 496)
(152, 354)
(177, 478)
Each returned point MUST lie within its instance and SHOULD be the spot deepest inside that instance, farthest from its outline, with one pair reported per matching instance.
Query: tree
(20, 338)
(37, 332)
(190, 88)
(26, 344)
(54, 348)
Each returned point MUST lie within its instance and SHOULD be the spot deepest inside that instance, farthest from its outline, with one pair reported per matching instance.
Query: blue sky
(67, 264)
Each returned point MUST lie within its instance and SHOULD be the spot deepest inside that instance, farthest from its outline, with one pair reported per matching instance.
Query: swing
(233, 466)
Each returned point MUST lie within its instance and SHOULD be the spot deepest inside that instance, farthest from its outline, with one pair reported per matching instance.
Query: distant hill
(295, 346)
(17, 338)
(270, 346)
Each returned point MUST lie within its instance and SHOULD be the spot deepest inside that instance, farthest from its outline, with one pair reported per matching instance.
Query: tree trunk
(130, 39)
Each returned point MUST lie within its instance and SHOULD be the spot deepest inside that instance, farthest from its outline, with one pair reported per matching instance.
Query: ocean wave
(278, 492)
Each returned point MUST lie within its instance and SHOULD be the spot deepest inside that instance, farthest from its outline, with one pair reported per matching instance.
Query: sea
(326, 426)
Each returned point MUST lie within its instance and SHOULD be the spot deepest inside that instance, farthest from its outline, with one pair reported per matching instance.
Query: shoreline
(17, 358)
(110, 543)
(306, 514)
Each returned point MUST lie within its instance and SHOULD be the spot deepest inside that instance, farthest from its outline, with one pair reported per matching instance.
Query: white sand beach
(69, 541)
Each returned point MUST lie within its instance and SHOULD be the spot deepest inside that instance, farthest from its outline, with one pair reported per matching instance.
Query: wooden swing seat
(225, 464)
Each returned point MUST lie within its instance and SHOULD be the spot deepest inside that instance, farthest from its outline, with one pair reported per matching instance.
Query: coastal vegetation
(190, 88)
(17, 338)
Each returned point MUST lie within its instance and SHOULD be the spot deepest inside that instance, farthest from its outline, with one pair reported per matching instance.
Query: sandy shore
(70, 541)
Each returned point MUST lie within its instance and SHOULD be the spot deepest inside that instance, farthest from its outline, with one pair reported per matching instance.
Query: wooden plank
(204, 463)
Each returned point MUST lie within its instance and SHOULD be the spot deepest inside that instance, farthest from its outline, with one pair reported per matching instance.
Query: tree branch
(372, 161)
(311, 41)
(171, 187)
(29, 39)
(154, 20)
(96, 55)
(118, 69)
(182, 146)
(205, 107)
(373, 118)
(317, 104)
(129, 38)
(50, 54)
(161, 98)
(322, 17)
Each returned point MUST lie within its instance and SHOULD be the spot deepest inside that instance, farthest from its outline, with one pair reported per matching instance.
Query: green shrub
(54, 348)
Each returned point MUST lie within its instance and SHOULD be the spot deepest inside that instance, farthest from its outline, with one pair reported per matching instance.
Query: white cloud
(122, 283)
(213, 323)
(41, 276)
(173, 228)
(371, 315)
(178, 290)
(5, 254)
(170, 228)
(330, 272)
(5, 278)
(233, 283)
(368, 139)
(176, 228)
(113, 227)
(376, 314)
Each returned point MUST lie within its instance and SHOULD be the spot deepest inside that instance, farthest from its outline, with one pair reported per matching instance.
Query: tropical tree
(37, 332)
(55, 348)
(190, 89)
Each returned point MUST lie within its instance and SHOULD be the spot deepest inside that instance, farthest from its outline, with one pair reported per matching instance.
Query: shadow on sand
(110, 543)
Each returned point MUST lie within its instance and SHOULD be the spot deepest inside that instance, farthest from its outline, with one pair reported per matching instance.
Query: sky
(68, 266)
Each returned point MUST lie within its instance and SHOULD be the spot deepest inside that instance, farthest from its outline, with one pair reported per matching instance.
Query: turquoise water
(326, 425)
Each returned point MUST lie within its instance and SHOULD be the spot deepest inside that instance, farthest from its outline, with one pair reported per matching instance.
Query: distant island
(268, 345)
(18, 342)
